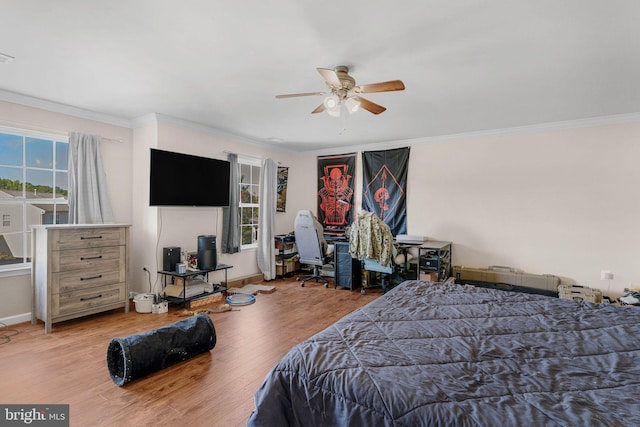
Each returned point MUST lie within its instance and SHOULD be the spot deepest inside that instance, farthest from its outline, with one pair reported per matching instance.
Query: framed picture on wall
(283, 177)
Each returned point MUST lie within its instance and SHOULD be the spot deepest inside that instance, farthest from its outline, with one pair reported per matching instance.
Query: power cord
(149, 276)
(6, 333)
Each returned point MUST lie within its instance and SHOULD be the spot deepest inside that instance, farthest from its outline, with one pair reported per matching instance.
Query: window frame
(251, 162)
(25, 202)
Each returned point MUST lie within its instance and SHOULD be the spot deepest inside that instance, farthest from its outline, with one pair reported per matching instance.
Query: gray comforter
(436, 355)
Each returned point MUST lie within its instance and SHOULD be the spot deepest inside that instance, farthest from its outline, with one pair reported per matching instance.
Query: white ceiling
(468, 65)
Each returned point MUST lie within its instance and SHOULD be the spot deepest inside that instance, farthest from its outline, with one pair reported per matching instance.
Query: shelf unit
(184, 276)
(286, 249)
(435, 260)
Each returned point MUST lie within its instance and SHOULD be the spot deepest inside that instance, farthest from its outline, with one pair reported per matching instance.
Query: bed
(457, 355)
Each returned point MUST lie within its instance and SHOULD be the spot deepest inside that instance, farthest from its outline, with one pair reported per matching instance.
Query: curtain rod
(26, 126)
(245, 155)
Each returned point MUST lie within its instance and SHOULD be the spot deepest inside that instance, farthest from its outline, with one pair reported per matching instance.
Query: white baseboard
(18, 318)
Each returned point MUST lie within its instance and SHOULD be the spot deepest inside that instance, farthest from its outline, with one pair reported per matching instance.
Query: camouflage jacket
(370, 237)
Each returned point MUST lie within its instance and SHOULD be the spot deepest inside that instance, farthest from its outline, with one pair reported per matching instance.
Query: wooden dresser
(78, 270)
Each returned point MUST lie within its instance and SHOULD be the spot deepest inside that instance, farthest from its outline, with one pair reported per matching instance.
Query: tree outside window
(33, 189)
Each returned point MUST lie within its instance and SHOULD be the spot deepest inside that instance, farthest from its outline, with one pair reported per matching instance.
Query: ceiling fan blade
(330, 77)
(389, 86)
(371, 107)
(319, 109)
(293, 95)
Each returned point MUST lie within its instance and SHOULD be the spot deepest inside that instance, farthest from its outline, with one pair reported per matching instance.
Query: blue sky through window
(10, 149)
(11, 173)
(38, 154)
(62, 155)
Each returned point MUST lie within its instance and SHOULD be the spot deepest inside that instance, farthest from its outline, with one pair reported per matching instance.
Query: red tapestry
(335, 191)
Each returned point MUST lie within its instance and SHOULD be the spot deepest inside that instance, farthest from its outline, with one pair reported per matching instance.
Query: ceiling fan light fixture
(352, 105)
(334, 113)
(344, 91)
(332, 105)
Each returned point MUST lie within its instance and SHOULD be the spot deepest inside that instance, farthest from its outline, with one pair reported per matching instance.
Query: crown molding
(516, 130)
(186, 124)
(142, 121)
(541, 127)
(151, 118)
(56, 107)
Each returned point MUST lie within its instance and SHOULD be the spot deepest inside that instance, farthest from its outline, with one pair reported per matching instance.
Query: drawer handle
(91, 278)
(84, 258)
(90, 237)
(87, 299)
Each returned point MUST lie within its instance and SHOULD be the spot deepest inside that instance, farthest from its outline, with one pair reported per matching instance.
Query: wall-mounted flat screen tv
(184, 180)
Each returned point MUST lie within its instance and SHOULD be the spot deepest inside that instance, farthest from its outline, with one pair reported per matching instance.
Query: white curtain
(266, 219)
(88, 198)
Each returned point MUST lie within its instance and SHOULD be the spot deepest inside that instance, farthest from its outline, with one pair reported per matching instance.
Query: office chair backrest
(308, 232)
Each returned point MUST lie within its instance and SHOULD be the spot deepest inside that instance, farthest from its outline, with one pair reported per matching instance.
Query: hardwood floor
(68, 366)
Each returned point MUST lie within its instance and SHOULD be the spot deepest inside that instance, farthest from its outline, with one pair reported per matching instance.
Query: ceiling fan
(344, 91)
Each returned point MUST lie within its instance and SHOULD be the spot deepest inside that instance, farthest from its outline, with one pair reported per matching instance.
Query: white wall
(559, 202)
(562, 202)
(126, 165)
(180, 226)
(145, 221)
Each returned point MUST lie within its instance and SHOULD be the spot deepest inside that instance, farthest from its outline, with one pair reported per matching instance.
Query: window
(33, 189)
(249, 201)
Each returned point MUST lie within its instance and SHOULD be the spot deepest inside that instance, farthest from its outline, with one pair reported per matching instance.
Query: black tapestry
(335, 191)
(385, 186)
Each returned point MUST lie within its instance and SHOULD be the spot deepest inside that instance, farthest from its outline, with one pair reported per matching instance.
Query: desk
(184, 276)
(349, 272)
(434, 262)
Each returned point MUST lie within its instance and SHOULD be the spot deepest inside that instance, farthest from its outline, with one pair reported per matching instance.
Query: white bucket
(143, 302)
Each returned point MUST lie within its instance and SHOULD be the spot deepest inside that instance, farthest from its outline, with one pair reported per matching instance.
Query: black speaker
(207, 258)
(170, 257)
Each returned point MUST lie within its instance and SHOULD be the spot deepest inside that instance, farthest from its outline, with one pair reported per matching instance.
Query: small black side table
(191, 273)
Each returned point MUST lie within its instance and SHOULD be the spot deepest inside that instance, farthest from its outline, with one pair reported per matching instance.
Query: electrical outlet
(606, 275)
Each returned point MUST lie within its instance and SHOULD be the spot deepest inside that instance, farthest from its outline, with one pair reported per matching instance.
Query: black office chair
(311, 245)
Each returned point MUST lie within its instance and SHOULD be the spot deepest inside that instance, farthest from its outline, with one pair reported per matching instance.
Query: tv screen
(185, 180)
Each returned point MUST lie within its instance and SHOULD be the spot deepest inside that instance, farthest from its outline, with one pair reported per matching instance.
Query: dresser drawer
(79, 270)
(72, 281)
(87, 299)
(79, 238)
(88, 259)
